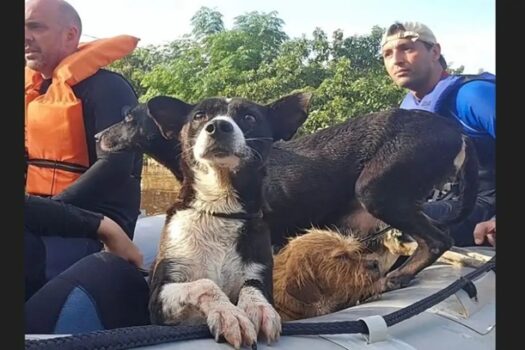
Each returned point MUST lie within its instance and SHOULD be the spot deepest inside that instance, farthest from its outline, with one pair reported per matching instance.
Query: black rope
(436, 298)
(122, 338)
(130, 337)
(378, 233)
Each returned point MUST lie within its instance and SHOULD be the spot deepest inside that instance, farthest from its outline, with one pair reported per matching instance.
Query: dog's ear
(287, 114)
(169, 114)
(307, 293)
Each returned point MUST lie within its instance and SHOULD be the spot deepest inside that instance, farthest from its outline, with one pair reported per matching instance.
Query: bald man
(52, 32)
(78, 198)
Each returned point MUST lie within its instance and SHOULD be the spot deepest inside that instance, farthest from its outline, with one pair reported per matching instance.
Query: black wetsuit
(62, 229)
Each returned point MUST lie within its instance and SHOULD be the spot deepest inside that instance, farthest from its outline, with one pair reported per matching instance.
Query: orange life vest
(55, 138)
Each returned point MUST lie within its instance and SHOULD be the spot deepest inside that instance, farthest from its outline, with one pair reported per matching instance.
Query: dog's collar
(239, 216)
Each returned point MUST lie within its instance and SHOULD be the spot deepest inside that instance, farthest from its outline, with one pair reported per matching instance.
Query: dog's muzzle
(98, 136)
(221, 138)
(219, 129)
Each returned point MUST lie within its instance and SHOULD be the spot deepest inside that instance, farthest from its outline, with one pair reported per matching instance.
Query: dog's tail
(467, 180)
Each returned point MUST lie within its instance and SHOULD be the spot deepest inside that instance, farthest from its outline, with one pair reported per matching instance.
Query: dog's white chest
(208, 245)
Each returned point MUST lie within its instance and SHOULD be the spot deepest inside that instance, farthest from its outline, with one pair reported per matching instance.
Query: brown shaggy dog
(323, 271)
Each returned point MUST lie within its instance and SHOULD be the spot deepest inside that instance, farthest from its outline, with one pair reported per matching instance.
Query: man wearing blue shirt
(413, 59)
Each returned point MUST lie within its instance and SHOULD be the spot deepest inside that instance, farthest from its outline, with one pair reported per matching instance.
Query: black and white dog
(379, 166)
(215, 258)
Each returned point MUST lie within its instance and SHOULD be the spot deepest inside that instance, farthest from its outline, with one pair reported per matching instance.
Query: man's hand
(118, 243)
(485, 230)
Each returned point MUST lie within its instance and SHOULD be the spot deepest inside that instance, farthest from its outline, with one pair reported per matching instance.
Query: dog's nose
(98, 136)
(219, 127)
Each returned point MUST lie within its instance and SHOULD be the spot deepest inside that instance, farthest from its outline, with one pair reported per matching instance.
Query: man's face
(409, 63)
(45, 37)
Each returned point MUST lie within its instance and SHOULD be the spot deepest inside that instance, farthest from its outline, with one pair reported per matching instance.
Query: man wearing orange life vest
(77, 197)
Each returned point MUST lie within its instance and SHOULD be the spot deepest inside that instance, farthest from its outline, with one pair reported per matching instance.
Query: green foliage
(206, 22)
(264, 29)
(458, 70)
(138, 65)
(257, 60)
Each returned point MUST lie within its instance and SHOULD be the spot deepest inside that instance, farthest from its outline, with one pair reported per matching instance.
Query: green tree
(362, 50)
(265, 29)
(257, 60)
(458, 70)
(206, 22)
(138, 64)
(180, 75)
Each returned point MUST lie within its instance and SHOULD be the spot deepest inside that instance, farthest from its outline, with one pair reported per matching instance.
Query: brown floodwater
(159, 188)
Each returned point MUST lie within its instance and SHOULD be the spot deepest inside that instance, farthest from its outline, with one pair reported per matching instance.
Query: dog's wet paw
(227, 320)
(265, 319)
(392, 282)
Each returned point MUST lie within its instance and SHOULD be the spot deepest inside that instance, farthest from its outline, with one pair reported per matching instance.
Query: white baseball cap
(412, 30)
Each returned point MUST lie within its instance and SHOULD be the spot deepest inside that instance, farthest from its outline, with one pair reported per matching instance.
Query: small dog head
(223, 132)
(140, 131)
(323, 271)
(135, 132)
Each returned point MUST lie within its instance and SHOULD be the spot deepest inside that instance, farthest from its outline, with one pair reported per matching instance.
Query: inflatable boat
(445, 307)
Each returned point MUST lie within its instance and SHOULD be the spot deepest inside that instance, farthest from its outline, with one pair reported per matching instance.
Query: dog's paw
(265, 319)
(393, 281)
(232, 323)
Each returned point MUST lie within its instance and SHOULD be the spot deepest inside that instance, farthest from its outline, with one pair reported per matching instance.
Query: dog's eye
(199, 116)
(371, 264)
(343, 256)
(248, 118)
(128, 118)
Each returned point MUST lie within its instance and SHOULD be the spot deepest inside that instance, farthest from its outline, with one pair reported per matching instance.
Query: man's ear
(169, 114)
(436, 51)
(72, 36)
(287, 114)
